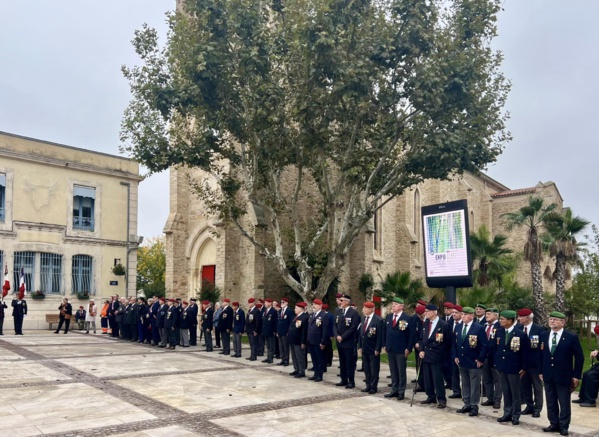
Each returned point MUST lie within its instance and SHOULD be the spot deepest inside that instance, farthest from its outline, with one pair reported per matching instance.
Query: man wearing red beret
(207, 324)
(225, 326)
(346, 329)
(317, 335)
(285, 316)
(370, 344)
(532, 386)
(269, 328)
(298, 338)
(253, 327)
(448, 311)
(238, 329)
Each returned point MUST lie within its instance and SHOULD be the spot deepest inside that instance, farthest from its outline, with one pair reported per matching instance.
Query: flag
(6, 285)
(22, 285)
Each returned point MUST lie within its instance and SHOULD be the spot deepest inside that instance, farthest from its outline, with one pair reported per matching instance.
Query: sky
(61, 81)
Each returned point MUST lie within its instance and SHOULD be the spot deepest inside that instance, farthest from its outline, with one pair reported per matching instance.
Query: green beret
(468, 310)
(492, 310)
(508, 314)
(557, 315)
(480, 305)
(398, 300)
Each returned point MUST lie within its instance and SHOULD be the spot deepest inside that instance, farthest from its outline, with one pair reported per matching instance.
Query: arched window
(417, 224)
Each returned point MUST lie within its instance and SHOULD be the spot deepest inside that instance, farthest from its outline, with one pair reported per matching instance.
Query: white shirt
(557, 339)
(433, 325)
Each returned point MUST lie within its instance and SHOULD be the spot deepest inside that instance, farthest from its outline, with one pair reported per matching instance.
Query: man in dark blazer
(398, 340)
(435, 345)
(491, 381)
(508, 356)
(3, 306)
(238, 329)
(328, 347)
(193, 326)
(318, 328)
(253, 328)
(371, 340)
(561, 369)
(269, 329)
(225, 326)
(160, 319)
(469, 353)
(19, 311)
(112, 310)
(455, 385)
(480, 311)
(448, 365)
(207, 324)
(171, 324)
(184, 324)
(298, 340)
(153, 316)
(418, 323)
(285, 317)
(346, 326)
(532, 386)
(590, 383)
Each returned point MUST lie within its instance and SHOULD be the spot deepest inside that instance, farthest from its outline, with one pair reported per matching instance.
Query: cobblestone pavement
(92, 385)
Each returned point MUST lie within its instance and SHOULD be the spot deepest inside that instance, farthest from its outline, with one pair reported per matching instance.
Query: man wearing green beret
(480, 310)
(561, 369)
(491, 380)
(398, 340)
(508, 356)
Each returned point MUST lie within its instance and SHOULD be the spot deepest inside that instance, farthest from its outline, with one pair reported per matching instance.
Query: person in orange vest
(104, 318)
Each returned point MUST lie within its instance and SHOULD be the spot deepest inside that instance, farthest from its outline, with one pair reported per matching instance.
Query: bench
(52, 318)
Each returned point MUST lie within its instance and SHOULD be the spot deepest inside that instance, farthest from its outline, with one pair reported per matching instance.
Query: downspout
(128, 185)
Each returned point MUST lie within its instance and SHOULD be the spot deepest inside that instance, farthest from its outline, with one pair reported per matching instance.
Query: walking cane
(416, 383)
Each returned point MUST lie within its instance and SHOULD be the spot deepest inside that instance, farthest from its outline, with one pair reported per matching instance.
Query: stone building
(199, 246)
(67, 216)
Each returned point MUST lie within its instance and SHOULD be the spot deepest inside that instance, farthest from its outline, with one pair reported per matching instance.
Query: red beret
(268, 299)
(369, 304)
(301, 304)
(226, 299)
(206, 302)
(325, 306)
(251, 300)
(172, 300)
(524, 312)
(235, 304)
(420, 309)
(422, 302)
(448, 305)
(596, 329)
(338, 296)
(317, 302)
(258, 305)
(458, 307)
(261, 300)
(284, 299)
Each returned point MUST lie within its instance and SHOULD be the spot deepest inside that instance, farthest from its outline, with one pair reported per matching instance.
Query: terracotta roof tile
(515, 192)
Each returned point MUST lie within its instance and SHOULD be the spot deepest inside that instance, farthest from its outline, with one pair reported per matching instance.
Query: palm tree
(491, 258)
(532, 217)
(401, 285)
(561, 240)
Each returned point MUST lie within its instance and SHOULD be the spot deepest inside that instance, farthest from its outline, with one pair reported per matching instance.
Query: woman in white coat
(90, 316)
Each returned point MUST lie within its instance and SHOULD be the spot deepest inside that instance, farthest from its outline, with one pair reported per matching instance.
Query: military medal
(318, 322)
(403, 325)
(534, 341)
(439, 337)
(372, 332)
(347, 321)
(298, 323)
(515, 344)
(473, 340)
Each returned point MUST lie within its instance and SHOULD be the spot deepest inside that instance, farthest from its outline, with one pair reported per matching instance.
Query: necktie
(507, 336)
(394, 320)
(366, 324)
(489, 331)
(526, 330)
(464, 332)
(553, 343)
(428, 330)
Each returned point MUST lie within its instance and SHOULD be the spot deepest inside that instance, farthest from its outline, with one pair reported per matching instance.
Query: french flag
(6, 285)
(22, 286)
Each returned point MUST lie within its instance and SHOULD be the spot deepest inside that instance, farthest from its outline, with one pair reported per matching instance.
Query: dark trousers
(590, 385)
(217, 335)
(163, 336)
(455, 380)
(104, 323)
(208, 339)
(328, 353)
(237, 344)
(510, 386)
(253, 344)
(18, 324)
(155, 332)
(558, 404)
(284, 348)
(193, 335)
(470, 386)
(173, 337)
(420, 381)
(62, 320)
(347, 364)
(317, 355)
(372, 367)
(434, 385)
(491, 383)
(532, 390)
(141, 332)
(1, 325)
(225, 338)
(133, 332)
(260, 345)
(298, 358)
(397, 366)
(114, 327)
(270, 347)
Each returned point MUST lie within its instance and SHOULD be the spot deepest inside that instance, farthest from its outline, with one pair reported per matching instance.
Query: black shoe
(487, 403)
(359, 370)
(504, 419)
(428, 401)
(280, 363)
(464, 410)
(496, 406)
(389, 385)
(319, 379)
(515, 421)
(400, 397)
(413, 381)
(588, 404)
(312, 378)
(311, 369)
(341, 384)
(265, 360)
(365, 390)
(563, 432)
(300, 375)
(350, 385)
(442, 405)
(455, 396)
(393, 394)
(419, 390)
(473, 413)
(56, 332)
(528, 411)
(536, 415)
(295, 372)
(551, 429)
(253, 359)
(577, 401)
(221, 353)
(373, 391)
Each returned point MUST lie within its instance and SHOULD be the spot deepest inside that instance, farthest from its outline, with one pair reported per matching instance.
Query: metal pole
(128, 185)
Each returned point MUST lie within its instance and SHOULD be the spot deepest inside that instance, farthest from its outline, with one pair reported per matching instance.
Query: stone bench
(52, 318)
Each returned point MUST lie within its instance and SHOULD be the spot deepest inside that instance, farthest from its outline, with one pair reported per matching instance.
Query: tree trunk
(560, 282)
(537, 277)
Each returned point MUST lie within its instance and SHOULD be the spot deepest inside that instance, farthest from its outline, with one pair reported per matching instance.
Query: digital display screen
(447, 244)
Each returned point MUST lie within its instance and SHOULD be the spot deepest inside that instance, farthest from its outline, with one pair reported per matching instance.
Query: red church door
(208, 274)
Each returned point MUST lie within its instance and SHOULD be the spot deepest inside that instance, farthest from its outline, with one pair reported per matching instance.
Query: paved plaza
(91, 385)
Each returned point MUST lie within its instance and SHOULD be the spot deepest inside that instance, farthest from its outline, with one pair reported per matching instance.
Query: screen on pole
(447, 256)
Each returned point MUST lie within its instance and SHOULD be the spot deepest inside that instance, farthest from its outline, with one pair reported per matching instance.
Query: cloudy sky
(60, 81)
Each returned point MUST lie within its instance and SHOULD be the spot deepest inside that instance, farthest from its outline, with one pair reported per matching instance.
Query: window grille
(82, 274)
(2, 196)
(51, 273)
(26, 261)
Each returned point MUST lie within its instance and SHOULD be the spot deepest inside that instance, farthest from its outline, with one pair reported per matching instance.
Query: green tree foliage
(400, 284)
(354, 102)
(209, 292)
(151, 267)
(583, 297)
(365, 285)
(532, 217)
(492, 260)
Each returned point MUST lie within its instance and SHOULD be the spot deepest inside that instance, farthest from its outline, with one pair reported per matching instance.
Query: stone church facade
(199, 246)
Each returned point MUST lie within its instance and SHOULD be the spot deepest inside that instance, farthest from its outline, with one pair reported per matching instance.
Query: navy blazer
(509, 357)
(371, 341)
(347, 326)
(557, 368)
(318, 328)
(239, 322)
(207, 323)
(438, 344)
(534, 352)
(172, 317)
(285, 317)
(185, 318)
(473, 347)
(253, 321)
(270, 320)
(161, 315)
(401, 337)
(298, 330)
(418, 323)
(225, 320)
